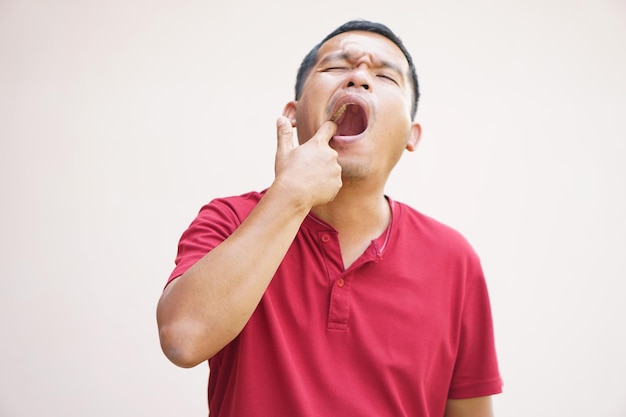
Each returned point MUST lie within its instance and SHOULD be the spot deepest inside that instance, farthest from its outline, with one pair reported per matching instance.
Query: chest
(386, 291)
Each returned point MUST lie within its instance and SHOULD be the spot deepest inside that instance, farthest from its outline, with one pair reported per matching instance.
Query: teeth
(339, 113)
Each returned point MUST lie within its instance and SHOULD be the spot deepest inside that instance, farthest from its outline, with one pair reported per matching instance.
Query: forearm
(470, 407)
(204, 309)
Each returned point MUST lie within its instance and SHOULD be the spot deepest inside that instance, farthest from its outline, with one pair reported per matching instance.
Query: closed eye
(387, 77)
(329, 69)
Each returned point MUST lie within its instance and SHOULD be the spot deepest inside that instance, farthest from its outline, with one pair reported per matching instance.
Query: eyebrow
(346, 56)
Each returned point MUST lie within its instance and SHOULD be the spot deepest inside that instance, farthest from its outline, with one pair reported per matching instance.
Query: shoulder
(235, 207)
(221, 216)
(421, 227)
(437, 248)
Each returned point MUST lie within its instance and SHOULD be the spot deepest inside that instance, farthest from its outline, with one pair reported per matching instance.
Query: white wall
(119, 119)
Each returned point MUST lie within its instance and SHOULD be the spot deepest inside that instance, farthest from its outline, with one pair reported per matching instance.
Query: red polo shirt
(405, 327)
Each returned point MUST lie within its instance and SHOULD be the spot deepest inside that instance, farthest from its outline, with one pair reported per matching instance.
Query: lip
(350, 99)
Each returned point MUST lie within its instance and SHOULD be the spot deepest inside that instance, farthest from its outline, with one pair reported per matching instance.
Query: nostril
(365, 86)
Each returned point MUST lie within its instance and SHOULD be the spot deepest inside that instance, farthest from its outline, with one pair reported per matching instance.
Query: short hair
(365, 26)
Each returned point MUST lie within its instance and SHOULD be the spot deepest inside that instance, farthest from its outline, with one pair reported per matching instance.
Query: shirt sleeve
(476, 372)
(213, 224)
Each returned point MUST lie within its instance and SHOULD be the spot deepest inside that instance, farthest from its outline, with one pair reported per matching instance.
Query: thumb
(284, 134)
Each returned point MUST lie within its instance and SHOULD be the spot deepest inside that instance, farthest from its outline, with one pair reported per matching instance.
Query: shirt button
(325, 238)
(340, 282)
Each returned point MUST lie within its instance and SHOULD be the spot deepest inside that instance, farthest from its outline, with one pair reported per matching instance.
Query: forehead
(357, 44)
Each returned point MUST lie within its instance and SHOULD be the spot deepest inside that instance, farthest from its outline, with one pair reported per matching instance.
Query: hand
(309, 172)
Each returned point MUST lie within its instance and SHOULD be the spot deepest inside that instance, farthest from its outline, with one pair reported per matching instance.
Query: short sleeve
(476, 372)
(213, 224)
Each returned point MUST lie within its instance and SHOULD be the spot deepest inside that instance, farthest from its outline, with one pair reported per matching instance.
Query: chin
(352, 173)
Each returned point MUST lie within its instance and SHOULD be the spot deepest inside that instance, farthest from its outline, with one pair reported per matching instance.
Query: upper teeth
(339, 113)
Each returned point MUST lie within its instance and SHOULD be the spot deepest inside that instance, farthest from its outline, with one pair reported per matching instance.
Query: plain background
(119, 119)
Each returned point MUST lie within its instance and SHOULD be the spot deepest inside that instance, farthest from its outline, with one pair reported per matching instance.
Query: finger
(326, 131)
(284, 134)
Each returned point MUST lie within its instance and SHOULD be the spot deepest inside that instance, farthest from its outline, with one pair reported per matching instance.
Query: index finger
(326, 131)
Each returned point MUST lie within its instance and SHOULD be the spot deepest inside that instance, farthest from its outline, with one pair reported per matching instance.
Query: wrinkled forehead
(358, 44)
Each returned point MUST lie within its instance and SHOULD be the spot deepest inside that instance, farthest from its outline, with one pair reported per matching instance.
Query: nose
(359, 78)
(352, 84)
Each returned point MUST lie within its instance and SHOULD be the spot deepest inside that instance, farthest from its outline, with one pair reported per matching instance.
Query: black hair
(366, 26)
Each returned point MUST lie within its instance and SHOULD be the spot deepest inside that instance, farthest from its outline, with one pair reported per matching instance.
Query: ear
(414, 137)
(289, 111)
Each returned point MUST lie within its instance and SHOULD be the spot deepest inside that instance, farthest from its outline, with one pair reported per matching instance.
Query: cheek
(396, 120)
(305, 127)
(394, 104)
(300, 114)
(397, 130)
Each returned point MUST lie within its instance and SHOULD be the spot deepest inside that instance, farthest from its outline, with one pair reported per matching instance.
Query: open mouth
(351, 120)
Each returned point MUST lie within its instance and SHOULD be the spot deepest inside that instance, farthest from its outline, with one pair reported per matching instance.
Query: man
(321, 296)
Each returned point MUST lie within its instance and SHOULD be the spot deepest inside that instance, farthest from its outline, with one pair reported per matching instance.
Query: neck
(356, 213)
(359, 219)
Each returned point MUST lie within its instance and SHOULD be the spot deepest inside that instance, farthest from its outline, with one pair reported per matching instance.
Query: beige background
(119, 119)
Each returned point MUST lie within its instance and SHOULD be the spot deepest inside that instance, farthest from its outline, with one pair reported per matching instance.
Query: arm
(470, 407)
(205, 308)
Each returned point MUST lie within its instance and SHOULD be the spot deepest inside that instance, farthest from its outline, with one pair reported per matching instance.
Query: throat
(350, 252)
(352, 122)
(357, 226)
